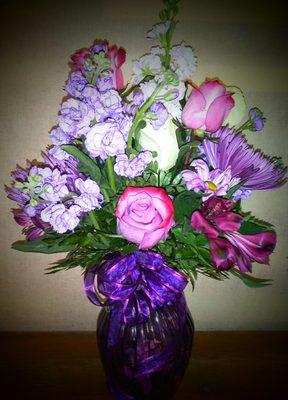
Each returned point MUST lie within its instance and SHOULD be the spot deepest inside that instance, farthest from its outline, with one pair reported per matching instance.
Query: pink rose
(144, 215)
(208, 106)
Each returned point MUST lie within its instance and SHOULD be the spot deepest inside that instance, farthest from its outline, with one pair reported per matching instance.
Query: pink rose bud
(144, 215)
(208, 106)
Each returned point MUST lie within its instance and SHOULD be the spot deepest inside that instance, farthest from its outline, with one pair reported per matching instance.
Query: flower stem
(140, 114)
(94, 220)
(111, 176)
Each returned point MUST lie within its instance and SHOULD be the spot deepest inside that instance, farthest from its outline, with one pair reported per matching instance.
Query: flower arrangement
(155, 167)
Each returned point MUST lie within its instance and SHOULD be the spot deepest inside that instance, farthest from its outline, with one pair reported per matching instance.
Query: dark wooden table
(224, 365)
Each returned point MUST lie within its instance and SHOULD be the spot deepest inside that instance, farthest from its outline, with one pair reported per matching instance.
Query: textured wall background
(244, 46)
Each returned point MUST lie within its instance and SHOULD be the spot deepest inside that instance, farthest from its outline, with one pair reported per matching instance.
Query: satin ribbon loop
(134, 283)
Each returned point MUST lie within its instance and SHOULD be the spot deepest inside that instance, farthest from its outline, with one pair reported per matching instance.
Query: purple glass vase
(148, 358)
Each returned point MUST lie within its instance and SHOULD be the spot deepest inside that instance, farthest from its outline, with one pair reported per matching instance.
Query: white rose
(163, 141)
(238, 112)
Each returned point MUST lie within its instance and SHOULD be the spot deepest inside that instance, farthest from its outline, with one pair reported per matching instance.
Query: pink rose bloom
(144, 215)
(208, 106)
(117, 58)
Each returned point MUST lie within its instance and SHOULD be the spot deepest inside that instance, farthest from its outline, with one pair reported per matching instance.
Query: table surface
(224, 365)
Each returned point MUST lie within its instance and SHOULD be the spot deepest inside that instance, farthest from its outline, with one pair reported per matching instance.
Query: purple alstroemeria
(228, 247)
(256, 171)
(132, 168)
(210, 183)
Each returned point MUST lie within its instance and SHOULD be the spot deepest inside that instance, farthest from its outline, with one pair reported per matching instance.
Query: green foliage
(87, 165)
(185, 203)
(249, 280)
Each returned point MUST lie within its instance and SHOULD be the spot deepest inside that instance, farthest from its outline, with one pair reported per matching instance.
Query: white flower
(173, 106)
(183, 61)
(163, 141)
(149, 64)
(238, 112)
(158, 29)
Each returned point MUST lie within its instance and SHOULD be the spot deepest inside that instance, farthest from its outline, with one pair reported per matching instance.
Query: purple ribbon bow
(134, 285)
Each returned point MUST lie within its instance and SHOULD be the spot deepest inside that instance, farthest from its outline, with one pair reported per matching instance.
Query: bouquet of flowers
(154, 168)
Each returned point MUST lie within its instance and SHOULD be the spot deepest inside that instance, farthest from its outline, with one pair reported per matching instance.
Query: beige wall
(243, 46)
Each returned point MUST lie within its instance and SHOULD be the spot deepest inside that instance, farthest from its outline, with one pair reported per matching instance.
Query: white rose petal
(163, 141)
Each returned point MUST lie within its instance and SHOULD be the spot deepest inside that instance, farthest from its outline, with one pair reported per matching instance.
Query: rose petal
(218, 111)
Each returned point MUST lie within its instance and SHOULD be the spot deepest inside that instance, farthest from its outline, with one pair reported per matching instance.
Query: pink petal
(217, 111)
(199, 223)
(222, 253)
(258, 246)
(193, 114)
(230, 222)
(152, 238)
(211, 90)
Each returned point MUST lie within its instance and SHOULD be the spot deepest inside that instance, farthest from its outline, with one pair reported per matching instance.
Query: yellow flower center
(211, 186)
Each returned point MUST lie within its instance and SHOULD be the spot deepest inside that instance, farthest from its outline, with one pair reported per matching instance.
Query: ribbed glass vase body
(149, 358)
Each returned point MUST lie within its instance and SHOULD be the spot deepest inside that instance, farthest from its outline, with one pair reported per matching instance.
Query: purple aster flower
(76, 84)
(61, 217)
(58, 136)
(210, 183)
(132, 168)
(105, 139)
(76, 117)
(257, 119)
(160, 115)
(90, 197)
(256, 171)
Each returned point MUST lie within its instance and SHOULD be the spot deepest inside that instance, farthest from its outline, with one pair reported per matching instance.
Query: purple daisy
(255, 170)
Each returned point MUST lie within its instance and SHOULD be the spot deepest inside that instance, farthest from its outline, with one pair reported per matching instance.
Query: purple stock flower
(90, 197)
(58, 136)
(105, 82)
(106, 139)
(256, 171)
(210, 183)
(62, 217)
(76, 117)
(33, 226)
(132, 168)
(257, 119)
(76, 84)
(160, 115)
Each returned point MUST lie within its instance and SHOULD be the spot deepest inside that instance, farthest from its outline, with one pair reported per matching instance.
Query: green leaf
(87, 165)
(185, 203)
(40, 246)
(249, 280)
(251, 227)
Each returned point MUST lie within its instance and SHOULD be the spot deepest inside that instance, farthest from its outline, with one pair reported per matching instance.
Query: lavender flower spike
(258, 172)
